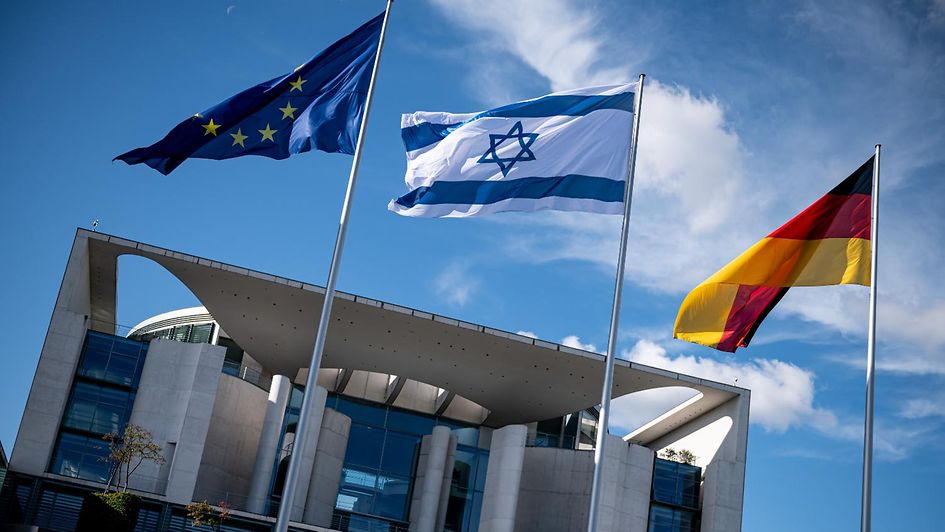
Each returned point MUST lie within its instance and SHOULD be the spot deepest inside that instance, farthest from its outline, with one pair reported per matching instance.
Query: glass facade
(572, 431)
(380, 463)
(100, 402)
(193, 334)
(674, 505)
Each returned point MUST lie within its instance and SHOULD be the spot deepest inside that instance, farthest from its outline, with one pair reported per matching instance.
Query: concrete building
(422, 422)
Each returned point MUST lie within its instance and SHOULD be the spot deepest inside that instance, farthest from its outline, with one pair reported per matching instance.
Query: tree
(127, 452)
(201, 513)
(682, 456)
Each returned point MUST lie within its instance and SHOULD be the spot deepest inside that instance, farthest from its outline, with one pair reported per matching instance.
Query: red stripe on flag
(831, 216)
(750, 307)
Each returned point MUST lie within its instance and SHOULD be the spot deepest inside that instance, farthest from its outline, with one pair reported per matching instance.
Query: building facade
(422, 422)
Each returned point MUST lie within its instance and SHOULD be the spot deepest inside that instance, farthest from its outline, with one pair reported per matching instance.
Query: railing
(557, 441)
(248, 374)
(352, 522)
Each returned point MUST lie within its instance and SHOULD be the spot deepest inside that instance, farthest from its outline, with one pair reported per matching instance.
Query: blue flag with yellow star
(319, 105)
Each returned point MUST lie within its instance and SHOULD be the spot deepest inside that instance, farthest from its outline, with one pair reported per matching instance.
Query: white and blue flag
(565, 151)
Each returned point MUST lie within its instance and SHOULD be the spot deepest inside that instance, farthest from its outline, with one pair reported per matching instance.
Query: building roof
(517, 378)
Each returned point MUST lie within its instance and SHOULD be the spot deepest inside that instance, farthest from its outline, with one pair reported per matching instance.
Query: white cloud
(924, 408)
(702, 196)
(558, 39)
(575, 342)
(782, 394)
(455, 284)
(527, 333)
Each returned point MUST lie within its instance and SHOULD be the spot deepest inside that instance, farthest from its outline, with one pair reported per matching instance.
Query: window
(97, 409)
(674, 498)
(81, 457)
(380, 465)
(99, 403)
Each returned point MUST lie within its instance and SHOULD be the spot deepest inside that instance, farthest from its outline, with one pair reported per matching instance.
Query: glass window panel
(466, 436)
(456, 510)
(81, 457)
(362, 413)
(391, 498)
(408, 422)
(127, 347)
(483, 464)
(95, 340)
(94, 362)
(664, 482)
(400, 451)
(472, 519)
(662, 519)
(364, 446)
(464, 469)
(181, 333)
(121, 369)
(200, 334)
(357, 491)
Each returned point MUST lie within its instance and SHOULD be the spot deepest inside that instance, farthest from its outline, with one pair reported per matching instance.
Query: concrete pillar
(174, 403)
(319, 396)
(430, 470)
(447, 482)
(326, 474)
(57, 362)
(266, 451)
(503, 477)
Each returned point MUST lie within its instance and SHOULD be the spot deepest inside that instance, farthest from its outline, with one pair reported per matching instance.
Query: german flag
(828, 243)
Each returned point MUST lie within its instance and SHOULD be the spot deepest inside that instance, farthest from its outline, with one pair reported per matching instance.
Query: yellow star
(210, 128)
(267, 133)
(297, 84)
(288, 111)
(238, 138)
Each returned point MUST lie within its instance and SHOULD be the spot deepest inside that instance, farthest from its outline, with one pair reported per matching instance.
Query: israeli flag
(565, 151)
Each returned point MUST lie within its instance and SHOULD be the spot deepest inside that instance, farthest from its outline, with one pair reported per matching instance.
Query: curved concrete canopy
(518, 379)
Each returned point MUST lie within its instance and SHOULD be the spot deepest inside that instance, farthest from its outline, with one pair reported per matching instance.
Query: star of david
(525, 141)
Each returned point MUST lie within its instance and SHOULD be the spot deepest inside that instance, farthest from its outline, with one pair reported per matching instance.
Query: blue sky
(753, 110)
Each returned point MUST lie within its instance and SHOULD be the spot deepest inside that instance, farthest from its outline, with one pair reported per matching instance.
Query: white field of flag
(564, 151)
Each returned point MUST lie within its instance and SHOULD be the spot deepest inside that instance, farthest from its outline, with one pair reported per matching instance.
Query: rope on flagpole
(291, 479)
(606, 392)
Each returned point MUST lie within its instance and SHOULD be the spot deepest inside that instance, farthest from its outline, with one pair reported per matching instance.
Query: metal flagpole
(291, 479)
(865, 515)
(615, 316)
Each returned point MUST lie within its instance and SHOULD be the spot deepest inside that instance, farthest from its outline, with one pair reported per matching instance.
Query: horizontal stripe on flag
(558, 203)
(420, 135)
(832, 216)
(750, 307)
(790, 262)
(486, 192)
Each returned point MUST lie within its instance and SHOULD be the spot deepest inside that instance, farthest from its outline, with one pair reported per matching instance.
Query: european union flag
(319, 105)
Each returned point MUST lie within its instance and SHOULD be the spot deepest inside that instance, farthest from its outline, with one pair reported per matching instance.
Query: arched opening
(634, 410)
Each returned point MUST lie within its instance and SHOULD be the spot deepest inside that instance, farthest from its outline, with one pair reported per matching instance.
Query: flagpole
(615, 316)
(866, 520)
(292, 475)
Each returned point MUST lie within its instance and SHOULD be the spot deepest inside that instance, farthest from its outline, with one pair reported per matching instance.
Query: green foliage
(127, 452)
(201, 513)
(682, 456)
(115, 512)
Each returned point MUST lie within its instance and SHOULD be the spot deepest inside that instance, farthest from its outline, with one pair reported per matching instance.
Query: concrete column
(319, 396)
(326, 474)
(426, 501)
(57, 362)
(447, 482)
(266, 451)
(175, 403)
(503, 477)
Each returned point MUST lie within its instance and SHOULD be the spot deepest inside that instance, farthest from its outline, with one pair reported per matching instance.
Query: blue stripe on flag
(487, 192)
(426, 133)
